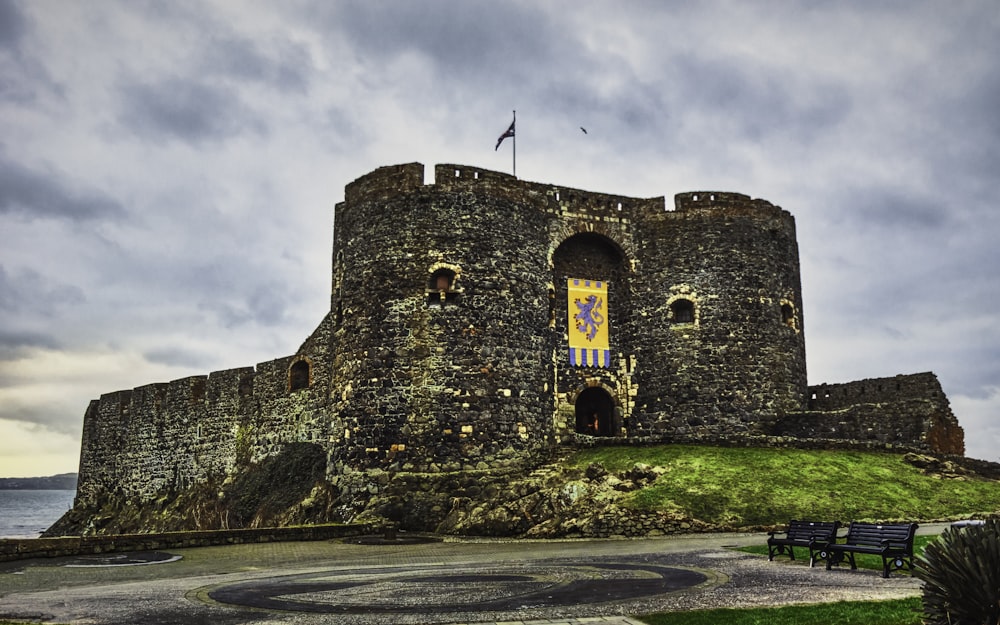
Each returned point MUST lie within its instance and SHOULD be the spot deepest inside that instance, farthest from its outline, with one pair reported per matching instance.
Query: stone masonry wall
(740, 361)
(905, 411)
(444, 349)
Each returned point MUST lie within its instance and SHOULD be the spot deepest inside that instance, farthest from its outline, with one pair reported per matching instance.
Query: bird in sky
(583, 129)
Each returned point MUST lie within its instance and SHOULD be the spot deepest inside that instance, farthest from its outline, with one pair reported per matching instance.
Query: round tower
(440, 305)
(717, 319)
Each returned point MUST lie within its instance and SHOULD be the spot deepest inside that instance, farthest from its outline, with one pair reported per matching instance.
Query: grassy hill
(752, 487)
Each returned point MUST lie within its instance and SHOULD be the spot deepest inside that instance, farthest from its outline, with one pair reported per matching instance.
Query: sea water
(28, 513)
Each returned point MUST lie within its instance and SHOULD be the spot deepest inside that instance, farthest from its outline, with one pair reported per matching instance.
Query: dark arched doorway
(595, 412)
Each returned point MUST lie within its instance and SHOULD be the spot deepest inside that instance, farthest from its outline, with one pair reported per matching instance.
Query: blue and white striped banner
(583, 357)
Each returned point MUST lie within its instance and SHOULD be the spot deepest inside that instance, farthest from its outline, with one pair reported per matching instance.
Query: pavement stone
(421, 579)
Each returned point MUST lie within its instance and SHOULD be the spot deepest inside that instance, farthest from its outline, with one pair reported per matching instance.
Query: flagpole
(514, 151)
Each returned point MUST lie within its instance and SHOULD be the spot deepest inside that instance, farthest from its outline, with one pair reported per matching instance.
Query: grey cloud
(491, 41)
(185, 110)
(37, 194)
(265, 304)
(44, 417)
(979, 366)
(281, 64)
(29, 300)
(758, 101)
(29, 291)
(13, 343)
(890, 209)
(176, 357)
(12, 24)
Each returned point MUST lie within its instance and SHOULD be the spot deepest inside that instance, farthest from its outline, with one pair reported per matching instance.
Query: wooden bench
(811, 535)
(892, 541)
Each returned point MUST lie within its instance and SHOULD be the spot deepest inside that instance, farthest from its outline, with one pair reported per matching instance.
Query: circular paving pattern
(449, 590)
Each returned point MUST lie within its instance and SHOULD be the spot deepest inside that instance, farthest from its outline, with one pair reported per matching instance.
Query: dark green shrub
(961, 575)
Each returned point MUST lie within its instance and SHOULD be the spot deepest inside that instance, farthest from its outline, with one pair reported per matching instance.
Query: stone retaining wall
(25, 548)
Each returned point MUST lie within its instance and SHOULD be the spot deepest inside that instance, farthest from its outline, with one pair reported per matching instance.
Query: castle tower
(453, 308)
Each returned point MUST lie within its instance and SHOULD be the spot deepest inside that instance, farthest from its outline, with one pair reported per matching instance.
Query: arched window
(298, 375)
(682, 311)
(596, 257)
(441, 286)
(788, 316)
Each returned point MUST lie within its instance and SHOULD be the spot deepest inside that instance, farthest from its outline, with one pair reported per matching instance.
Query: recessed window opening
(682, 311)
(298, 375)
(788, 315)
(441, 287)
(475, 175)
(557, 196)
(458, 173)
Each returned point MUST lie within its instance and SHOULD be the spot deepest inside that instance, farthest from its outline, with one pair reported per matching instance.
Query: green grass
(750, 486)
(895, 612)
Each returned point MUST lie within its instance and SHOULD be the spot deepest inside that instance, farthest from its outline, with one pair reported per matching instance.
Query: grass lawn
(749, 486)
(896, 612)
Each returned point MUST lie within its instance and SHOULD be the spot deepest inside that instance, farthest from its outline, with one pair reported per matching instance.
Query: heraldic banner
(588, 323)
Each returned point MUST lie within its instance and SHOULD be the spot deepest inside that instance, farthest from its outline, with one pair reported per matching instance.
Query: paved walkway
(455, 581)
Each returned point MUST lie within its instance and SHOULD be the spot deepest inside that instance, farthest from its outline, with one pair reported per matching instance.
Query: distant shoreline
(63, 481)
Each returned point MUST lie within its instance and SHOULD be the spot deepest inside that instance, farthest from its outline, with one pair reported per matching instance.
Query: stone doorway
(595, 412)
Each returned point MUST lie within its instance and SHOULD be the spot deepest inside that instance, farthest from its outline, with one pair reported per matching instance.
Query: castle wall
(140, 443)
(905, 411)
(445, 347)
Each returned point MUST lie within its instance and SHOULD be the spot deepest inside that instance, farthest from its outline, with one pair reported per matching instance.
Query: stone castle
(453, 344)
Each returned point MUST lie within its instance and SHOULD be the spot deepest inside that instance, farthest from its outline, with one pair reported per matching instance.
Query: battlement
(385, 182)
(396, 180)
(226, 386)
(734, 203)
(917, 386)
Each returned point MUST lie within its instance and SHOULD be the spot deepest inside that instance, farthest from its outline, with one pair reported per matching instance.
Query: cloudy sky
(168, 170)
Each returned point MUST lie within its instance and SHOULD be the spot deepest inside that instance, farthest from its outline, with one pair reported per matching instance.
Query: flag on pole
(509, 133)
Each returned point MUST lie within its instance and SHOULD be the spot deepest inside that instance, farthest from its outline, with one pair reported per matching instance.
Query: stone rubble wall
(68, 546)
(403, 378)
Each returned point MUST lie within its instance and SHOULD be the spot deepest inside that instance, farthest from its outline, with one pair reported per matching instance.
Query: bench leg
(774, 550)
(777, 550)
(831, 557)
(895, 564)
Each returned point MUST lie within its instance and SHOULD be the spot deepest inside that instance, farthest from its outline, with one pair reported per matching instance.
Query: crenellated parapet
(167, 436)
(904, 411)
(385, 182)
(917, 386)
